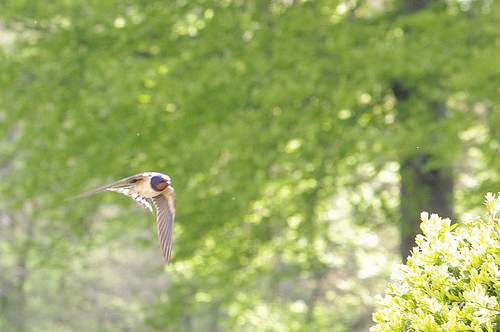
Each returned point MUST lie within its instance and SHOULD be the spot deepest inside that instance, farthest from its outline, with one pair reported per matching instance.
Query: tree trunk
(414, 5)
(17, 317)
(422, 188)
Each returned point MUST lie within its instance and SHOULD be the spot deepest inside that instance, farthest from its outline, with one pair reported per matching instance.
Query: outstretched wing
(165, 216)
(123, 186)
(135, 196)
(125, 183)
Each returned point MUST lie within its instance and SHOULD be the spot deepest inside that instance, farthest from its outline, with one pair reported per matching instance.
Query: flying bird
(150, 189)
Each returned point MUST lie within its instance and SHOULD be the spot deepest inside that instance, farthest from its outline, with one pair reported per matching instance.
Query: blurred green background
(304, 138)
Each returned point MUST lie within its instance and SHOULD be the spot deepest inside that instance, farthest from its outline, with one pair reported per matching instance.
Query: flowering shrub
(451, 281)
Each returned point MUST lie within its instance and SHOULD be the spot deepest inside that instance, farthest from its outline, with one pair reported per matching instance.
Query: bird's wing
(165, 215)
(125, 183)
(143, 201)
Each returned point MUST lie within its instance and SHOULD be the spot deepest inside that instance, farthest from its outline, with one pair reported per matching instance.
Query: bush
(451, 281)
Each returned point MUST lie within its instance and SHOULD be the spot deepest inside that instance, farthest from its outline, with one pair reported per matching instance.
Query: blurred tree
(288, 127)
(426, 183)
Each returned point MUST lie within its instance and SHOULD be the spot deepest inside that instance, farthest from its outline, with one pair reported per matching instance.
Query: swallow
(149, 189)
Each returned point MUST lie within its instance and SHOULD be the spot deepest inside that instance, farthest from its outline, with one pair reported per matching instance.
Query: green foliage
(279, 125)
(451, 282)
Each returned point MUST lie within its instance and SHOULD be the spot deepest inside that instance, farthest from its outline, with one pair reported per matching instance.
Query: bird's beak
(164, 185)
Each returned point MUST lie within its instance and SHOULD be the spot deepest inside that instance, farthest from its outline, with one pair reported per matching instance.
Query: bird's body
(144, 189)
(150, 189)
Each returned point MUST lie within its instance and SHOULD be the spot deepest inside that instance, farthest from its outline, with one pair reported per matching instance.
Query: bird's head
(160, 182)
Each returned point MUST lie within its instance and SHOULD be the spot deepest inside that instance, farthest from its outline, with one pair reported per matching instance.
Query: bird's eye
(158, 183)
